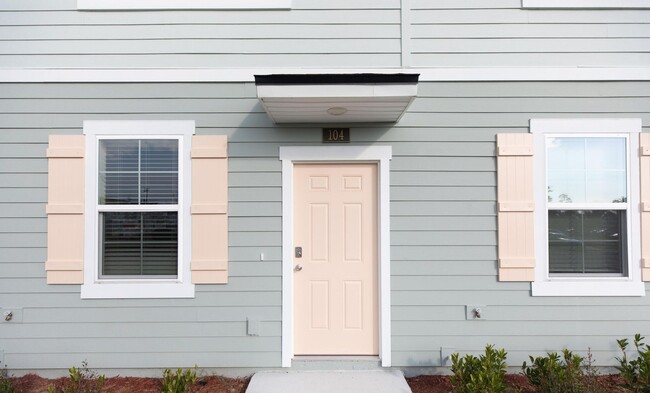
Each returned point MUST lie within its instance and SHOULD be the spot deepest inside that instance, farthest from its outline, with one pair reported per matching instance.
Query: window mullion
(583, 242)
(587, 206)
(138, 208)
(141, 244)
(139, 171)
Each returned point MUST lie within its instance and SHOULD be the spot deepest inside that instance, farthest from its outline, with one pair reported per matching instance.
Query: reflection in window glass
(586, 170)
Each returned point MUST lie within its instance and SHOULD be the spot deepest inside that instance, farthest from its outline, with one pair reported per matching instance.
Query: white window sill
(120, 5)
(588, 288)
(137, 290)
(593, 4)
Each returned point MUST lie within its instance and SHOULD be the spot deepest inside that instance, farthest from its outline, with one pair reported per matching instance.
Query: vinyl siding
(363, 33)
(474, 33)
(332, 34)
(443, 222)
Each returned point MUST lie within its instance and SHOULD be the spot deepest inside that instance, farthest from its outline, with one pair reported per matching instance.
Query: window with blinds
(587, 203)
(138, 208)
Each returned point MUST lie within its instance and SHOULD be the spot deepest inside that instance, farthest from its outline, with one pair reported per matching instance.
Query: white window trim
(587, 286)
(593, 4)
(382, 155)
(118, 5)
(93, 287)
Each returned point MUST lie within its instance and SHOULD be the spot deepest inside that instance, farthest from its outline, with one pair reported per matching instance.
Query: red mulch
(430, 384)
(215, 384)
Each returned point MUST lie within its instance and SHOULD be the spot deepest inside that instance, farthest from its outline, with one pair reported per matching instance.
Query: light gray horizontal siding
(135, 360)
(360, 33)
(443, 240)
(500, 33)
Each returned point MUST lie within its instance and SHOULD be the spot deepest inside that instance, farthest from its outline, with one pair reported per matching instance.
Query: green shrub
(483, 374)
(179, 381)
(635, 373)
(80, 380)
(552, 374)
(5, 384)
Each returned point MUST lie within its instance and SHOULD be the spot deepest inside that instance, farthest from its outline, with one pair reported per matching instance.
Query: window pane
(133, 172)
(159, 155)
(118, 172)
(565, 169)
(139, 244)
(159, 188)
(606, 170)
(587, 241)
(587, 170)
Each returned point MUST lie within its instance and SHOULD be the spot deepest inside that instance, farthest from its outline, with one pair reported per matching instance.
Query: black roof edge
(335, 79)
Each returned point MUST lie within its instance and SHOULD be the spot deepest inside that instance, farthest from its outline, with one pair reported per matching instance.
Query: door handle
(297, 268)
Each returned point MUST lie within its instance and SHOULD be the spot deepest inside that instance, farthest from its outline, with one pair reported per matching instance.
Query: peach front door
(335, 260)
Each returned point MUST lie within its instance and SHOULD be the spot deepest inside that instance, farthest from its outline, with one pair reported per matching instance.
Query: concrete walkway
(367, 381)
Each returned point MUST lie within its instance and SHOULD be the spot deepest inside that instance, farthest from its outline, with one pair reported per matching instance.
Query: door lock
(297, 268)
(298, 252)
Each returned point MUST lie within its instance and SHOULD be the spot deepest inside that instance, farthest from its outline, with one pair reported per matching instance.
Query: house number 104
(336, 135)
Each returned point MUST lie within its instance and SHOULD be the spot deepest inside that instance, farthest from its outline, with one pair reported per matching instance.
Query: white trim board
(300, 154)
(406, 54)
(90, 75)
(117, 5)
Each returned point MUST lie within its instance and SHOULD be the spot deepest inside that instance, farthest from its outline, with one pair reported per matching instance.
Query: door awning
(336, 98)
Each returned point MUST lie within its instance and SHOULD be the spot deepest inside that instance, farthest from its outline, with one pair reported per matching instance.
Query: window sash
(144, 245)
(138, 171)
(591, 206)
(590, 243)
(138, 207)
(583, 164)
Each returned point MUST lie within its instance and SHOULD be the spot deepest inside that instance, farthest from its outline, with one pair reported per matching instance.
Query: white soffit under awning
(336, 98)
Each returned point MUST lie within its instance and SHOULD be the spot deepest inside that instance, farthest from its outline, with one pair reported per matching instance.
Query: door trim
(381, 155)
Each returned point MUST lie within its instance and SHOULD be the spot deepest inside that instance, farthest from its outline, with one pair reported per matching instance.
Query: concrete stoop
(331, 381)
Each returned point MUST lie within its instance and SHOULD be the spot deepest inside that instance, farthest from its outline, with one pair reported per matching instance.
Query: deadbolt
(298, 252)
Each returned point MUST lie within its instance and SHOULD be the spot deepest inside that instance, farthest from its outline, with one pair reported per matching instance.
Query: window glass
(583, 173)
(138, 172)
(134, 173)
(587, 242)
(139, 244)
(586, 170)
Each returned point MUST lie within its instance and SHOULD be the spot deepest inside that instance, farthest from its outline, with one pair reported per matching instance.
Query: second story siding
(53, 33)
(330, 34)
(499, 33)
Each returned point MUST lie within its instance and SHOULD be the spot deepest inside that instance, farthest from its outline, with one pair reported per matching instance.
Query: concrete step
(347, 381)
(334, 363)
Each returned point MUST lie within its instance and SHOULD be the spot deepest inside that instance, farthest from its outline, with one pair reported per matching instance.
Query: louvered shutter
(644, 172)
(65, 209)
(515, 207)
(209, 209)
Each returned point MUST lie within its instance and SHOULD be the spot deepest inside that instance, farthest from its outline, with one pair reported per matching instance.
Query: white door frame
(290, 155)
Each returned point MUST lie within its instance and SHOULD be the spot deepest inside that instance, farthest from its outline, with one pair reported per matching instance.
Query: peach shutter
(644, 172)
(515, 207)
(65, 209)
(209, 209)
